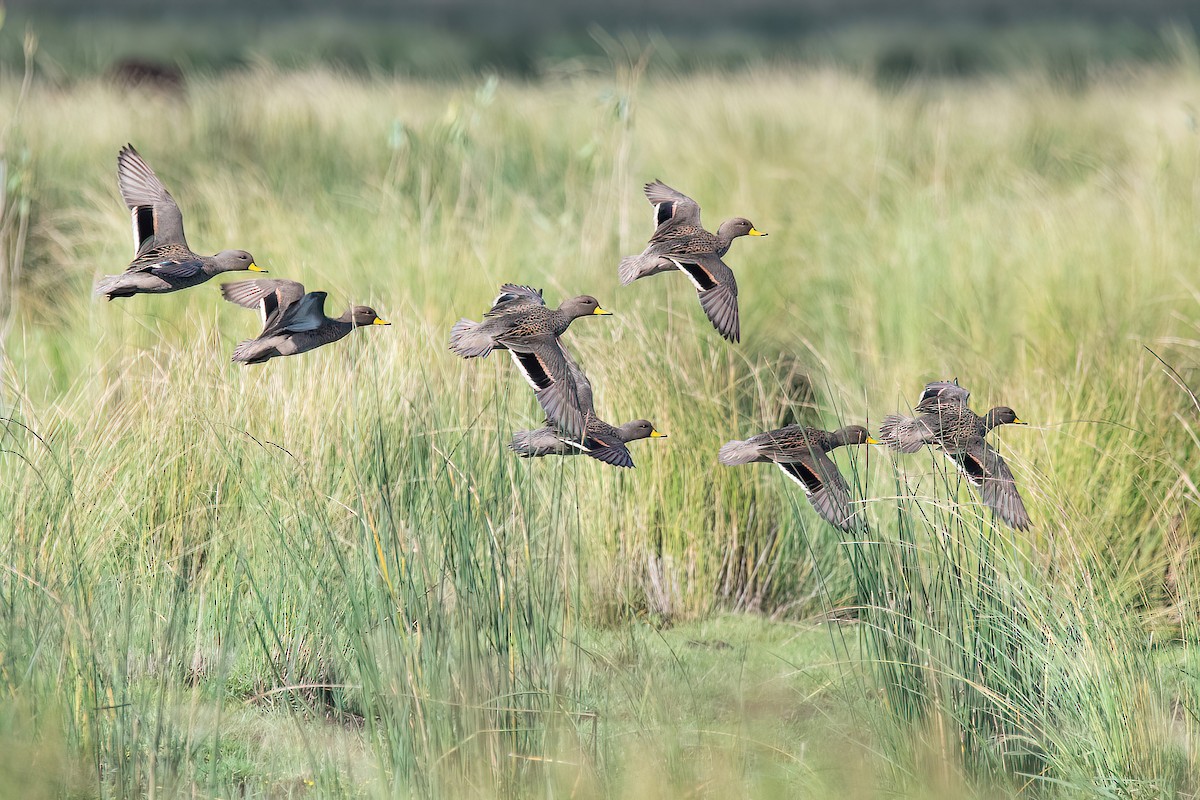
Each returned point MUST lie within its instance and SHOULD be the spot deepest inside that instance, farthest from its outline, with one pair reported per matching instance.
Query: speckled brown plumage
(519, 321)
(599, 439)
(803, 455)
(681, 242)
(162, 260)
(945, 421)
(518, 312)
(294, 321)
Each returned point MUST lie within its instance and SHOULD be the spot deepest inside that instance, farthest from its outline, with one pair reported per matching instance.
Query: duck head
(1001, 415)
(583, 306)
(235, 260)
(738, 226)
(852, 434)
(640, 429)
(362, 316)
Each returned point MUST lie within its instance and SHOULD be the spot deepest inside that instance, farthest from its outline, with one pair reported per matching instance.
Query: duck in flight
(162, 260)
(293, 320)
(681, 242)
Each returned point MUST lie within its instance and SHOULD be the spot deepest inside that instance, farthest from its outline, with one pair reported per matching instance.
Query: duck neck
(991, 420)
(724, 240)
(343, 324)
(561, 319)
(836, 439)
(725, 237)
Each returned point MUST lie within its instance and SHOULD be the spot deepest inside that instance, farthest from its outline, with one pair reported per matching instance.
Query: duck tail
(108, 287)
(630, 269)
(902, 433)
(522, 444)
(468, 342)
(633, 267)
(252, 351)
(737, 452)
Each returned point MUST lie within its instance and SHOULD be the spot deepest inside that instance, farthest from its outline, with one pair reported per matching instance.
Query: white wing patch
(575, 444)
(679, 266)
(974, 480)
(524, 373)
(800, 483)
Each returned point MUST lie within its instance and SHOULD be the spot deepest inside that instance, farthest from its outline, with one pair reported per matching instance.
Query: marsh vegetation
(326, 576)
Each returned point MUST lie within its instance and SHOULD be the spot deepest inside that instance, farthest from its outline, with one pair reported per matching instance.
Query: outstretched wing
(610, 452)
(306, 314)
(718, 291)
(988, 472)
(157, 220)
(543, 363)
(271, 296)
(825, 488)
(603, 445)
(513, 296)
(940, 394)
(167, 262)
(671, 207)
(583, 386)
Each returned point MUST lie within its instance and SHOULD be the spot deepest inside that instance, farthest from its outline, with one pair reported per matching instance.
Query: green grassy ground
(326, 577)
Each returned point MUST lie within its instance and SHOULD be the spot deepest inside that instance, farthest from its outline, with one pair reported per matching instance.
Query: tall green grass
(327, 576)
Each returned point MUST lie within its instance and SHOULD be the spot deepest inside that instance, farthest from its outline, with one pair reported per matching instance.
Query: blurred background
(446, 38)
(329, 577)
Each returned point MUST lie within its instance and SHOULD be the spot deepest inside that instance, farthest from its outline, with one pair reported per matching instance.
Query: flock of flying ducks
(519, 321)
(293, 320)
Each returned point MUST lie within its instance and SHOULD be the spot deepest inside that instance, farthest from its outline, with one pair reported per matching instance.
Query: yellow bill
(756, 232)
(656, 435)
(600, 311)
(378, 321)
(255, 267)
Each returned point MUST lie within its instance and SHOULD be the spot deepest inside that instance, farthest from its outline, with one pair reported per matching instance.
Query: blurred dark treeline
(894, 39)
(690, 16)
